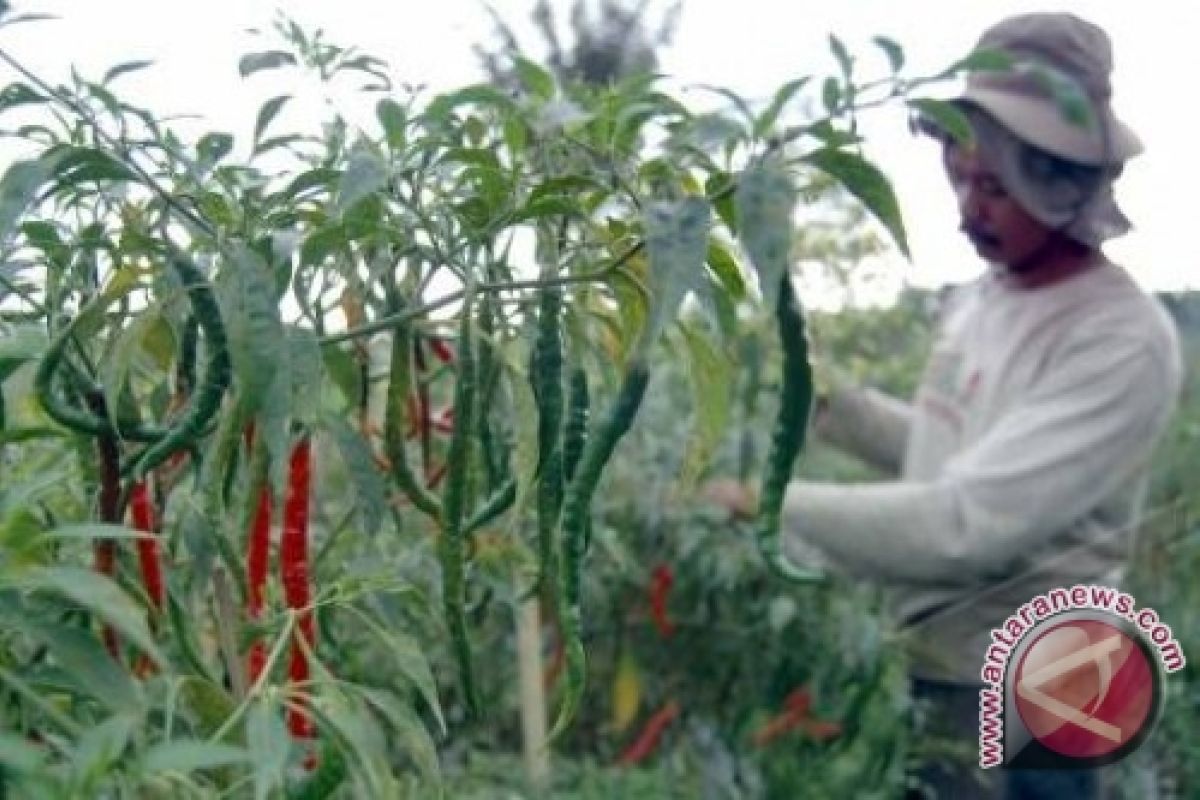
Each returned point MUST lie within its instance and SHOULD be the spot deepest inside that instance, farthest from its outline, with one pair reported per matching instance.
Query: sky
(752, 47)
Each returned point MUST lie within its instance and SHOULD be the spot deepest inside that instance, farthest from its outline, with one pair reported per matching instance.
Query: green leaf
(127, 348)
(866, 182)
(524, 417)
(190, 755)
(344, 372)
(346, 717)
(19, 94)
(319, 178)
(893, 51)
(19, 754)
(83, 164)
(842, 55)
(716, 188)
(246, 292)
(210, 704)
(212, 147)
(365, 174)
(81, 656)
(321, 243)
(392, 117)
(101, 745)
(270, 59)
(981, 60)
(304, 360)
(831, 94)
(96, 593)
(482, 94)
(267, 114)
(18, 188)
(123, 69)
(370, 491)
(534, 78)
(767, 119)
(710, 373)
(543, 207)
(725, 267)
(676, 244)
(23, 344)
(946, 116)
(88, 531)
(411, 735)
(267, 740)
(766, 199)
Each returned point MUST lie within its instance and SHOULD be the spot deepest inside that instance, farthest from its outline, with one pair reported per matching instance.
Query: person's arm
(1085, 428)
(866, 423)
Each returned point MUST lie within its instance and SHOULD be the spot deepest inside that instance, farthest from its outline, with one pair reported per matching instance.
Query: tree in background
(610, 40)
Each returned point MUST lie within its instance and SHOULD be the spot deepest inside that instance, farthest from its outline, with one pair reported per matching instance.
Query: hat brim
(1040, 122)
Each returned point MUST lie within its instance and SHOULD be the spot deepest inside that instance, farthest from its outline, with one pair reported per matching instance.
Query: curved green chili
(70, 416)
(575, 433)
(787, 440)
(576, 510)
(499, 502)
(395, 424)
(454, 500)
(218, 370)
(546, 379)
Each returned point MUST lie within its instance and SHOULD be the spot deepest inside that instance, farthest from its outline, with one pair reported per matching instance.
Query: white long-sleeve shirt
(1023, 459)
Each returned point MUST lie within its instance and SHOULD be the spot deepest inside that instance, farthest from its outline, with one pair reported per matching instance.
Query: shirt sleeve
(868, 424)
(1084, 428)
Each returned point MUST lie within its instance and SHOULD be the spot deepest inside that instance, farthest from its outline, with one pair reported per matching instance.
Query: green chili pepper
(218, 371)
(576, 509)
(787, 440)
(395, 424)
(454, 501)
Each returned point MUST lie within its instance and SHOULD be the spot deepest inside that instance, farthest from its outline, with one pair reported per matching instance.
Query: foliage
(175, 312)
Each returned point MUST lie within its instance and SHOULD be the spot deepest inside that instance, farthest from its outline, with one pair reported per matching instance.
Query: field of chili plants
(363, 462)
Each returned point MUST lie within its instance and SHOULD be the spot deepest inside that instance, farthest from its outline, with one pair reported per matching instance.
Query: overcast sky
(751, 46)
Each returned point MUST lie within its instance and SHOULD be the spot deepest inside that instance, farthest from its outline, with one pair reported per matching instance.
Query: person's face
(1002, 231)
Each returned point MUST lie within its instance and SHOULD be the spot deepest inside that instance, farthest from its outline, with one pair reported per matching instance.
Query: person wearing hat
(1022, 460)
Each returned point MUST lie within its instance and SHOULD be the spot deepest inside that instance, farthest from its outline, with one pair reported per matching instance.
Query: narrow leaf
(256, 62)
(392, 117)
(370, 491)
(536, 80)
(767, 119)
(96, 593)
(122, 69)
(676, 244)
(893, 51)
(189, 755)
(710, 373)
(246, 292)
(866, 182)
(945, 116)
(765, 202)
(364, 175)
(267, 113)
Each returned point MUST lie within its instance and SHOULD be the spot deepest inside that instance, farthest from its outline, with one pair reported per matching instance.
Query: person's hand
(739, 499)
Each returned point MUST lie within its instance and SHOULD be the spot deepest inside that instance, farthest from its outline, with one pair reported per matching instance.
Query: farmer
(1022, 460)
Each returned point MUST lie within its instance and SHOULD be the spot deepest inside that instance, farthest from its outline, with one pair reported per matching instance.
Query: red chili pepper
(104, 554)
(142, 510)
(441, 350)
(796, 716)
(651, 734)
(660, 586)
(445, 421)
(293, 557)
(258, 553)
